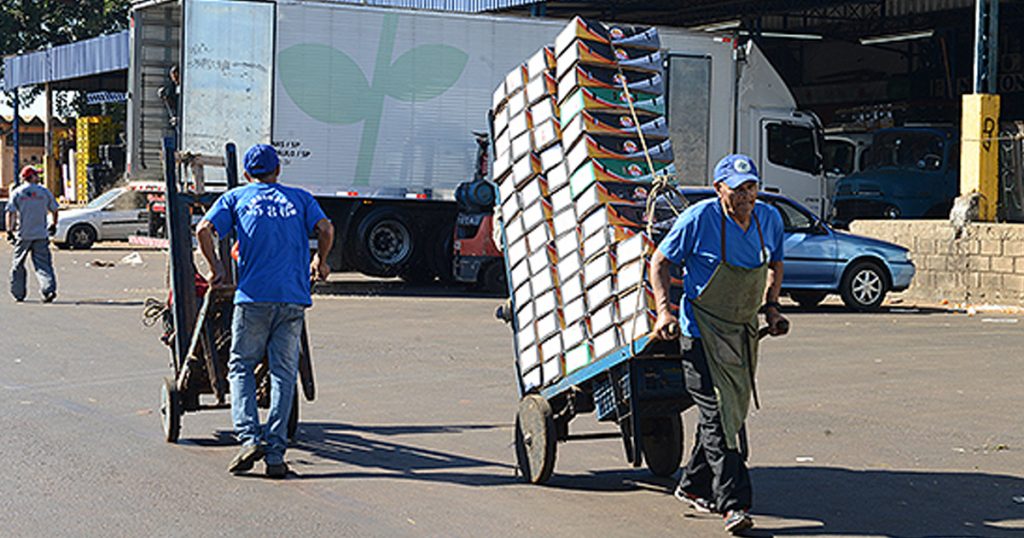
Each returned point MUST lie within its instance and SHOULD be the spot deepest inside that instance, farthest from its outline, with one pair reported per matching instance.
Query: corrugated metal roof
(94, 56)
(462, 6)
(910, 7)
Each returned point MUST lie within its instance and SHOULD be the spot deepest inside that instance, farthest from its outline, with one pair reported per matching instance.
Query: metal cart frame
(200, 349)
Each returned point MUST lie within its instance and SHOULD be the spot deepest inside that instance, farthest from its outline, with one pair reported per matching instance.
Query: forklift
(477, 259)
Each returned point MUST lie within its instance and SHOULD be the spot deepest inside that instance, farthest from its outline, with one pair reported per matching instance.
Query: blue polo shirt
(272, 223)
(695, 241)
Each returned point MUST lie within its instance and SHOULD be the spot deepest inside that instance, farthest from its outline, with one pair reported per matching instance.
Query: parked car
(112, 216)
(909, 172)
(821, 261)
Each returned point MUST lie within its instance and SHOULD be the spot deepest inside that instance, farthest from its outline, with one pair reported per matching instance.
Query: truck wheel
(81, 236)
(492, 278)
(864, 286)
(384, 243)
(441, 260)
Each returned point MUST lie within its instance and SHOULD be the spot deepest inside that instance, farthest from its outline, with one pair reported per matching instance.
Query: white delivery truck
(373, 109)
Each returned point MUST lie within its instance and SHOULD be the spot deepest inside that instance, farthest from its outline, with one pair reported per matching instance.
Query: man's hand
(778, 325)
(319, 269)
(217, 276)
(666, 327)
(10, 237)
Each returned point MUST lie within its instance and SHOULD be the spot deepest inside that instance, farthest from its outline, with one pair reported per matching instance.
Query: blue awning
(461, 6)
(96, 56)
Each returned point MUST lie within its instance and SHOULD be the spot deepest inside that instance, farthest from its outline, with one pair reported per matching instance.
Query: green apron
(726, 314)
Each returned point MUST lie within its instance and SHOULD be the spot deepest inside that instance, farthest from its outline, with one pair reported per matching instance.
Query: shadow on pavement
(351, 445)
(836, 501)
(398, 288)
(892, 309)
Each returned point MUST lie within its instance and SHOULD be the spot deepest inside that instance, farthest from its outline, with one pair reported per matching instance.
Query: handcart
(200, 335)
(639, 388)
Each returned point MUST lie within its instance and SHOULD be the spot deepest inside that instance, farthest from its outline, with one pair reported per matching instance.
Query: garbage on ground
(100, 263)
(805, 459)
(133, 259)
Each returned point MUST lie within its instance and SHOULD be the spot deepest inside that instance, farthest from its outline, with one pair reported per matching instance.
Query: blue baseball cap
(261, 159)
(735, 170)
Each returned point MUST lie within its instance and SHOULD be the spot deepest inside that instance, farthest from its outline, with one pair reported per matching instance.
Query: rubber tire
(85, 240)
(663, 444)
(170, 410)
(293, 416)
(493, 278)
(808, 299)
(62, 246)
(536, 439)
(442, 255)
(366, 261)
(859, 271)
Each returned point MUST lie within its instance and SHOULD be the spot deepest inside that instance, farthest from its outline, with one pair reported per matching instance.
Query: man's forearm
(9, 217)
(205, 237)
(661, 281)
(324, 239)
(774, 282)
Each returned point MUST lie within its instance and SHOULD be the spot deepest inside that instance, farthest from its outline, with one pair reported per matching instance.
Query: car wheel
(864, 286)
(81, 236)
(807, 299)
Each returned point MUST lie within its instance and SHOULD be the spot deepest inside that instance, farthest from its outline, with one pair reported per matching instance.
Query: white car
(113, 216)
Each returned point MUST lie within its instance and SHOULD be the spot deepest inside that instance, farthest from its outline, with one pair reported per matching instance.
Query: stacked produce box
(573, 180)
(90, 133)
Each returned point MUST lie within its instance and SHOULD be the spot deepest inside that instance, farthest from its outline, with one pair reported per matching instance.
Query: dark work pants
(714, 471)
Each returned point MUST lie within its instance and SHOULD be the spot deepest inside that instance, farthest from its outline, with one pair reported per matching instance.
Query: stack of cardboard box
(573, 180)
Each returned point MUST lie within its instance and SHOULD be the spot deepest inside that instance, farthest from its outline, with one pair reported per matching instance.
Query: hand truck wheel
(535, 439)
(170, 410)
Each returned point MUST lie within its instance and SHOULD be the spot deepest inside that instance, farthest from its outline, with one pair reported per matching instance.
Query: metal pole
(986, 41)
(182, 269)
(17, 142)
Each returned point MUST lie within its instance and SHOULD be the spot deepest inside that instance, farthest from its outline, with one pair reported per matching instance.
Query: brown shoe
(245, 459)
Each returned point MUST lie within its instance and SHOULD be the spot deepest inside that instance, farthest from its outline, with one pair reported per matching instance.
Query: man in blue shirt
(272, 224)
(731, 247)
(29, 233)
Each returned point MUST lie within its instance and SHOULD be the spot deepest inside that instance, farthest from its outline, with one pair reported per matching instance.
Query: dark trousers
(714, 470)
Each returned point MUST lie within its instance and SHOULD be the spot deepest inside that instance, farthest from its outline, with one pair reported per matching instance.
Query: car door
(811, 250)
(123, 216)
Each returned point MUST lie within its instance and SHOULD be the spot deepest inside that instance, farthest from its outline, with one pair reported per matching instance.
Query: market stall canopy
(96, 64)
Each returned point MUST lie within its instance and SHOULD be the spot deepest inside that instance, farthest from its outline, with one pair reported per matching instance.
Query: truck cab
(909, 172)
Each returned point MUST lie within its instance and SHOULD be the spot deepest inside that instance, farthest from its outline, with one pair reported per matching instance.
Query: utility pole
(979, 157)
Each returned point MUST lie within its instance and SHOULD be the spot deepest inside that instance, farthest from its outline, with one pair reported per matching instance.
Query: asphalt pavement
(902, 423)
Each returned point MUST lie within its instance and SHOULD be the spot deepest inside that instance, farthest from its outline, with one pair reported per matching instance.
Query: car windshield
(905, 150)
(103, 199)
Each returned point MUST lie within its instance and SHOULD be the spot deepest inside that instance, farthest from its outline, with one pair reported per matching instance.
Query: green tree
(28, 25)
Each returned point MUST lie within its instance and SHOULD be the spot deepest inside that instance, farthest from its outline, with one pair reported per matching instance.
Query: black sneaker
(277, 470)
(737, 521)
(49, 297)
(245, 459)
(699, 504)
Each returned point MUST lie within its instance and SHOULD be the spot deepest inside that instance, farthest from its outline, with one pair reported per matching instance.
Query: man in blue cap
(731, 249)
(272, 223)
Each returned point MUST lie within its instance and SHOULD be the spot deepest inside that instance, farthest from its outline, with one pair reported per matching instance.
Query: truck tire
(442, 260)
(384, 243)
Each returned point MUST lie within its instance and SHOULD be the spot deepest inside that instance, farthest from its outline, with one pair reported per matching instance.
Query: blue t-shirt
(272, 223)
(695, 241)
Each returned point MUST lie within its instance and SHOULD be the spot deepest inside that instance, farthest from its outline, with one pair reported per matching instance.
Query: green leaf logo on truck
(420, 74)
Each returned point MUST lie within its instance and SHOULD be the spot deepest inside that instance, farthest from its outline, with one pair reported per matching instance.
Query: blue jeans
(39, 249)
(273, 330)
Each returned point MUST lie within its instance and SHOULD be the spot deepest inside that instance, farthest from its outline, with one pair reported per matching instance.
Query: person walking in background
(272, 223)
(28, 232)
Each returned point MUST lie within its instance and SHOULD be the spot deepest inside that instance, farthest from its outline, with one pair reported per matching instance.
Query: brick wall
(984, 265)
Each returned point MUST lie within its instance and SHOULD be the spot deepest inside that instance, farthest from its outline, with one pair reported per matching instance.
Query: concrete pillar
(50, 170)
(979, 152)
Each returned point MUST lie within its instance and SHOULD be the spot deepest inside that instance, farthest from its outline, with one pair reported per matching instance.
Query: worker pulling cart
(199, 335)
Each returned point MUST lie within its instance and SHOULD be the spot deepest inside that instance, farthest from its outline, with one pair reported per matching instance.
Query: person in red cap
(27, 230)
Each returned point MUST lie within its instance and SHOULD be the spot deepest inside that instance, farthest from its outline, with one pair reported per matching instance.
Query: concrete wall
(983, 265)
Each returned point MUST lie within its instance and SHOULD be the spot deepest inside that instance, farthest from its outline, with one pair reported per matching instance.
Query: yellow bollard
(979, 152)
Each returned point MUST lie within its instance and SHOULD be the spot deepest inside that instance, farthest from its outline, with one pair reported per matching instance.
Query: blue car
(820, 260)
